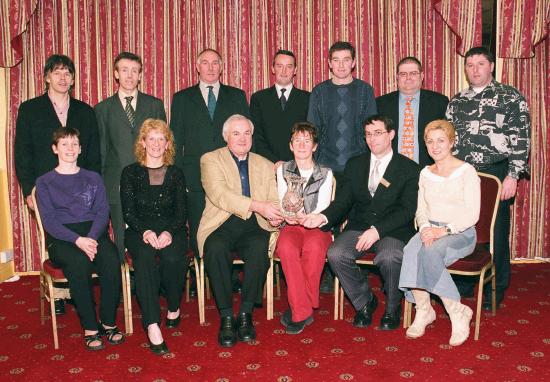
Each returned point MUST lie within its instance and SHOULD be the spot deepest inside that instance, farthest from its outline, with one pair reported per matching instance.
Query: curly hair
(158, 125)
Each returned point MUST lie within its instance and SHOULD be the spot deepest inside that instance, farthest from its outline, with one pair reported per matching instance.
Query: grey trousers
(389, 255)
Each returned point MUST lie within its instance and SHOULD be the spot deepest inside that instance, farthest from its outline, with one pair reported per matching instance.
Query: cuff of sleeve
(452, 228)
(325, 221)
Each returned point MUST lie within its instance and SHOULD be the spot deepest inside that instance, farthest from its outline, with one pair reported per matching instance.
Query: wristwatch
(448, 230)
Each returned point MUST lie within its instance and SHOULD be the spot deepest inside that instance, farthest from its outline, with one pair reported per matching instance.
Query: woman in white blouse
(302, 250)
(448, 209)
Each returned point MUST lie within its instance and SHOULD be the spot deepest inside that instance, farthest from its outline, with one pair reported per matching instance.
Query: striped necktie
(211, 102)
(407, 140)
(130, 112)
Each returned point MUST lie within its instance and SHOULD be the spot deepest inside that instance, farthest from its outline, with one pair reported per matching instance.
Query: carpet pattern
(513, 346)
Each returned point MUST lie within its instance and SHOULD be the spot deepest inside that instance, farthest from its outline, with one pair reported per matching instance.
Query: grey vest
(311, 190)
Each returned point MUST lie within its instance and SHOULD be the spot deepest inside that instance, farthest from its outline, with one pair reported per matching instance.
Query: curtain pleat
(168, 35)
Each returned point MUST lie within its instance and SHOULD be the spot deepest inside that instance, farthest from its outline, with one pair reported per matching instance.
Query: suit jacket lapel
(234, 179)
(118, 111)
(48, 106)
(389, 175)
(196, 97)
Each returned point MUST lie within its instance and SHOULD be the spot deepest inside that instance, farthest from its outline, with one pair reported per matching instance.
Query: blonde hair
(441, 124)
(159, 125)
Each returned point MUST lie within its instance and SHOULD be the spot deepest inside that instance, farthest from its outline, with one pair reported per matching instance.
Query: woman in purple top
(75, 213)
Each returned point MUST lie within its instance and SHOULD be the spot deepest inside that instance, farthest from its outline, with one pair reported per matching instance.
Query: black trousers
(195, 207)
(78, 270)
(153, 268)
(117, 222)
(251, 243)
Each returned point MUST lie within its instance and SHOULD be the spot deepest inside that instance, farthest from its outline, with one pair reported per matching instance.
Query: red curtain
(524, 45)
(168, 34)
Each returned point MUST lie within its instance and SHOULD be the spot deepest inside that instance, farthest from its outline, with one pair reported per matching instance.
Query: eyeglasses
(376, 134)
(408, 74)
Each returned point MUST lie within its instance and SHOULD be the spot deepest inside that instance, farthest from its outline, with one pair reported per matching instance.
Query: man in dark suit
(197, 116)
(38, 118)
(119, 118)
(411, 109)
(378, 194)
(274, 110)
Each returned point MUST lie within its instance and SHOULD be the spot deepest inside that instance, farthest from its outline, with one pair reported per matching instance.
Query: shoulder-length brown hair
(159, 125)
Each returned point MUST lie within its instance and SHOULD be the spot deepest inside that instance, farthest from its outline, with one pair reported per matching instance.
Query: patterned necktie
(374, 177)
(130, 112)
(211, 102)
(283, 98)
(407, 140)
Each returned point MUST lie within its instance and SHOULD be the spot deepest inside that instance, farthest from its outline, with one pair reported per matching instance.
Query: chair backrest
(490, 198)
(41, 234)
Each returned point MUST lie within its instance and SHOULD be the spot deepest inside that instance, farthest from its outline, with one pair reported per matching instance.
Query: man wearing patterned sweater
(493, 134)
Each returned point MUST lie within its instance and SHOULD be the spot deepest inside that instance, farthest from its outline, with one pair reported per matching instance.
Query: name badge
(385, 183)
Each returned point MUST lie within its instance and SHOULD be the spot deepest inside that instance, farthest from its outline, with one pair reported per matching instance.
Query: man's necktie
(129, 110)
(407, 140)
(211, 102)
(374, 177)
(283, 98)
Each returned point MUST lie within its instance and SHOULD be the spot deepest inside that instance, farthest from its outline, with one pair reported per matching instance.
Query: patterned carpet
(513, 346)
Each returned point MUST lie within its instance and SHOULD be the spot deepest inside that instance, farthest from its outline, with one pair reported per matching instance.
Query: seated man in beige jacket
(241, 208)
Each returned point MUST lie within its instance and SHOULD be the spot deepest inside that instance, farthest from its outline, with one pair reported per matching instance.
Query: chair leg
(200, 292)
(52, 312)
(270, 290)
(478, 304)
(406, 307)
(336, 297)
(341, 303)
(127, 290)
(187, 285)
(42, 297)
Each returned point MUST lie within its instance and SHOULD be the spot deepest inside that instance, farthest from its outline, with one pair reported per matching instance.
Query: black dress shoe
(298, 327)
(390, 320)
(286, 318)
(363, 317)
(173, 322)
(245, 327)
(227, 336)
(59, 305)
(159, 349)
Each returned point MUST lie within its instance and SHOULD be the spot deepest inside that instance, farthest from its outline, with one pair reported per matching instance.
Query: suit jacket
(36, 122)
(222, 185)
(392, 208)
(272, 124)
(195, 132)
(432, 106)
(117, 137)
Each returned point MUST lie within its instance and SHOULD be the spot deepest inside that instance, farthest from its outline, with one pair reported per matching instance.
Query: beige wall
(6, 240)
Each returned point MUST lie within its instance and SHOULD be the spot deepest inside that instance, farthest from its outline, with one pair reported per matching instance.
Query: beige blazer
(222, 185)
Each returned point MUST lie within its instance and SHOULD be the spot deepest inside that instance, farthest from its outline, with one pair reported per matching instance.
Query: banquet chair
(50, 274)
(479, 263)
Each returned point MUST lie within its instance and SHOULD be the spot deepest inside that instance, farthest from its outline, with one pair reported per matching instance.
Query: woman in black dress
(152, 193)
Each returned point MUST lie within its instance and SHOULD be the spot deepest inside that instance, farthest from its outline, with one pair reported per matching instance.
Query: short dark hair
(128, 56)
(409, 60)
(305, 127)
(56, 61)
(341, 45)
(286, 53)
(480, 50)
(64, 132)
(388, 123)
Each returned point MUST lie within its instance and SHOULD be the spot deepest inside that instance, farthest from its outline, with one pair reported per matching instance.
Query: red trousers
(302, 252)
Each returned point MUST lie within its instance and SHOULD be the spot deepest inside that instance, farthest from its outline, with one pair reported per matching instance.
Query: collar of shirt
(384, 162)
(403, 97)
(122, 96)
(287, 92)
(203, 86)
(478, 89)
